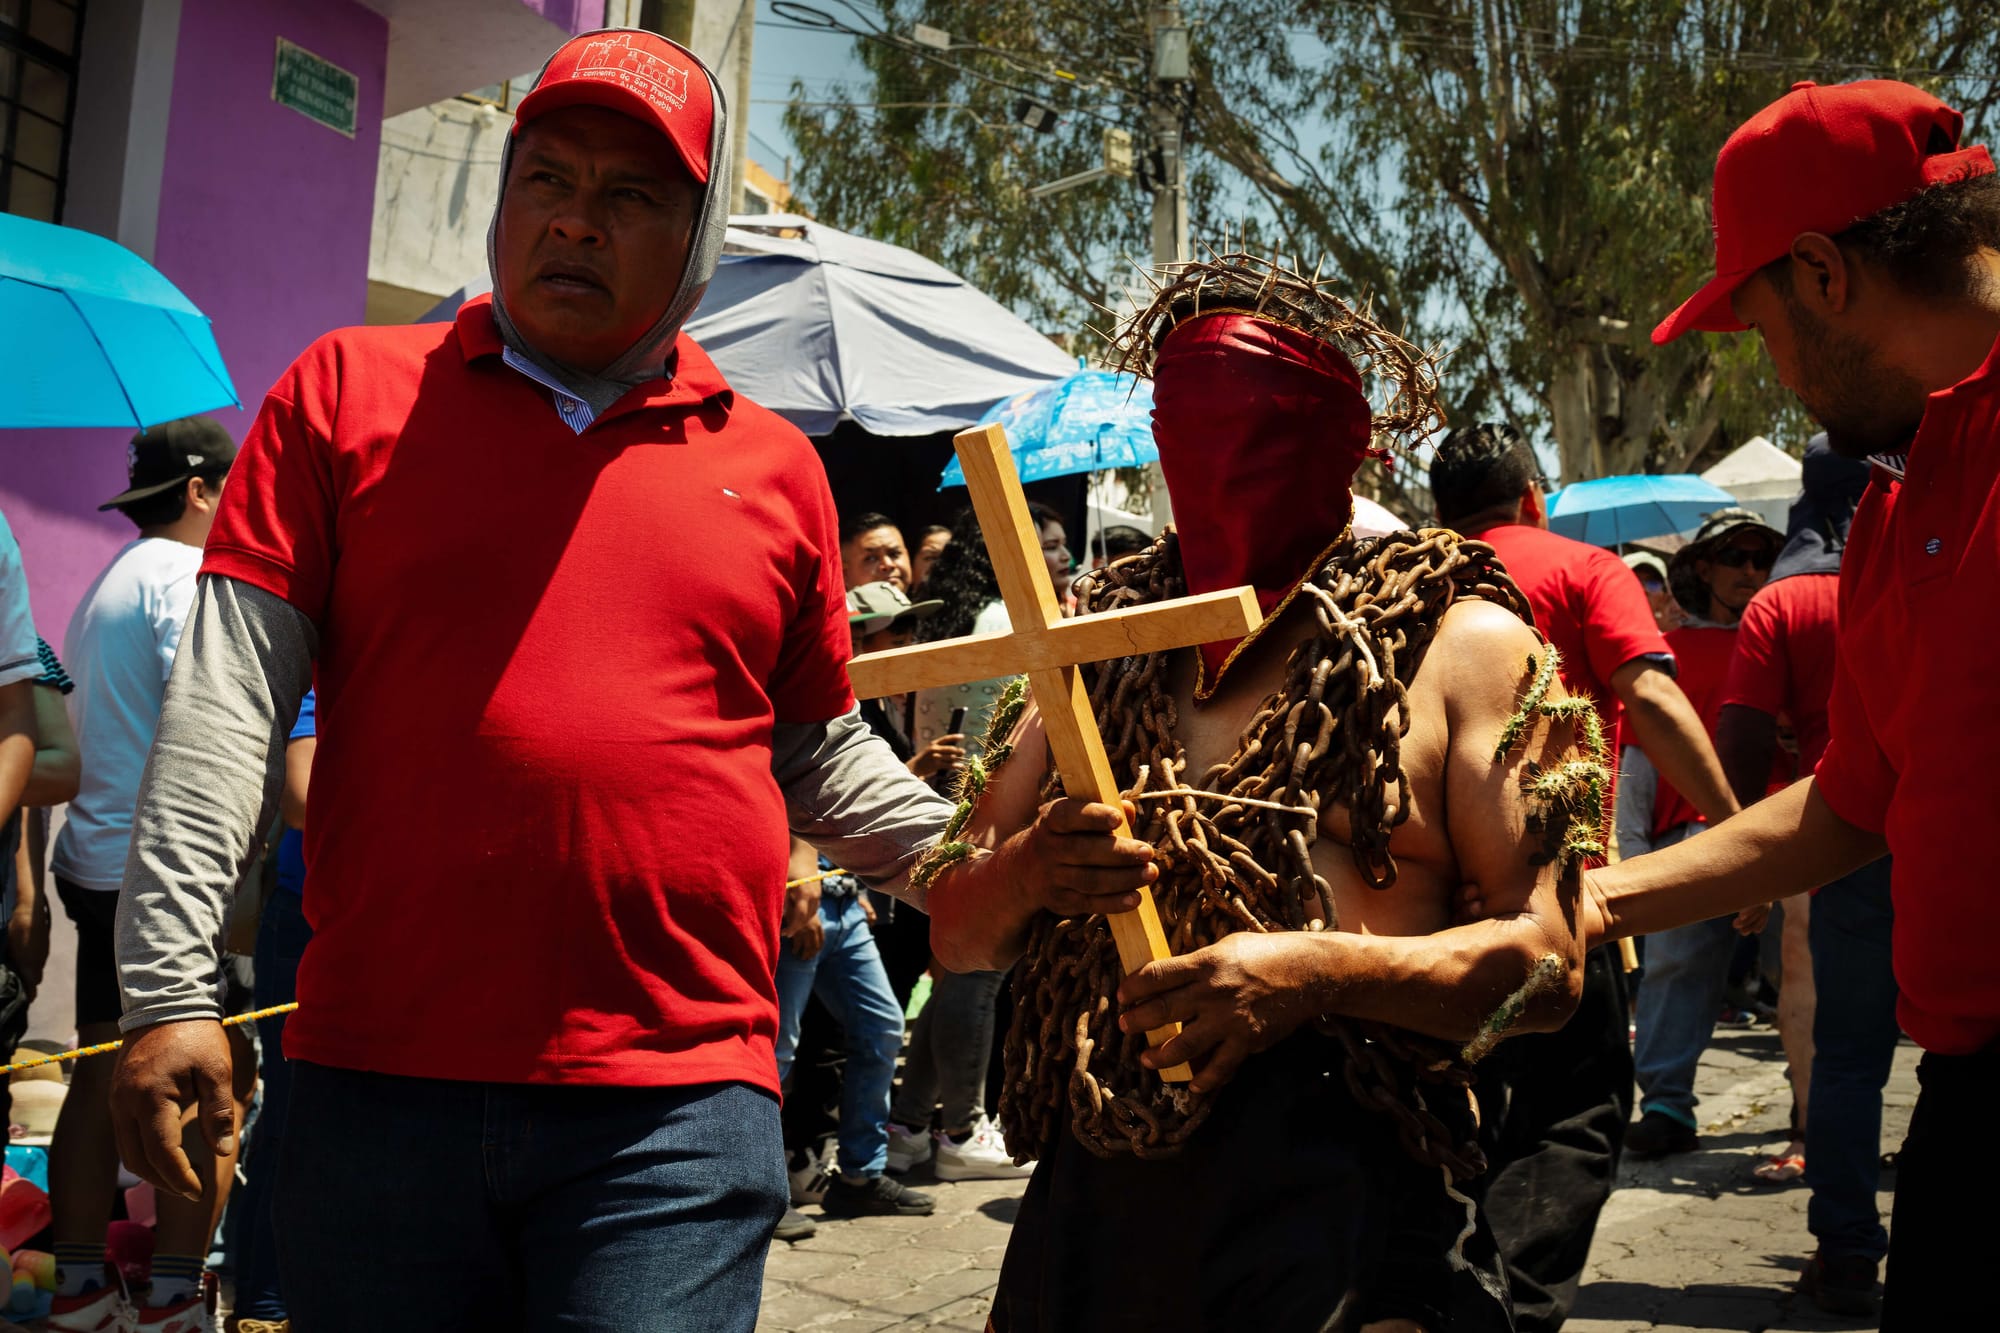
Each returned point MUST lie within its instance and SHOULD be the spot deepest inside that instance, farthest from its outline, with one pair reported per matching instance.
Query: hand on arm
(1246, 992)
(1669, 730)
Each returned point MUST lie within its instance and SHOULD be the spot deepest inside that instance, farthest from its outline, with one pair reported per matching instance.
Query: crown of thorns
(1402, 376)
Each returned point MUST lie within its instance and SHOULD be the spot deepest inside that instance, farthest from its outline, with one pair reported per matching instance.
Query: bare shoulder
(1480, 655)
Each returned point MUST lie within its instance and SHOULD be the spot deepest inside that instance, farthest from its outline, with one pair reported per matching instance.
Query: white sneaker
(811, 1173)
(981, 1156)
(189, 1316)
(106, 1310)
(906, 1149)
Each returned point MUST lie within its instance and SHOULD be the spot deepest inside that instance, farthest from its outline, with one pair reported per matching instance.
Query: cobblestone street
(1687, 1245)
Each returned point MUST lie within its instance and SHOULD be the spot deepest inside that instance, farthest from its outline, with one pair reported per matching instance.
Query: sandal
(1780, 1169)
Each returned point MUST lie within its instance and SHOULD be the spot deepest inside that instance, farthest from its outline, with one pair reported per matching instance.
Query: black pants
(1292, 1210)
(1552, 1110)
(1939, 1242)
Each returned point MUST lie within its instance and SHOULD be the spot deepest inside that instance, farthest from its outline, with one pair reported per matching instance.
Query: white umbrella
(1762, 477)
(821, 326)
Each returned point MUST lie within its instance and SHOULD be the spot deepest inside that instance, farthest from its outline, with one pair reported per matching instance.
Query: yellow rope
(812, 879)
(106, 1047)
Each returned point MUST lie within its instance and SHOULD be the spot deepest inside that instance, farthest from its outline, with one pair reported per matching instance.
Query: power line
(808, 17)
(775, 151)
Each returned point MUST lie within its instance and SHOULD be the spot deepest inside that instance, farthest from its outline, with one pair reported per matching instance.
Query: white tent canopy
(1762, 477)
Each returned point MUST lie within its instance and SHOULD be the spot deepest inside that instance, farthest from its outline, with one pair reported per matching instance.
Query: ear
(1534, 509)
(1822, 277)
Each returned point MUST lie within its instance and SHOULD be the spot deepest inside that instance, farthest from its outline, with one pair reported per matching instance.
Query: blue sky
(782, 54)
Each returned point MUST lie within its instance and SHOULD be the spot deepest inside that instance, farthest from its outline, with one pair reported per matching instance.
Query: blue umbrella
(93, 335)
(1611, 510)
(1092, 420)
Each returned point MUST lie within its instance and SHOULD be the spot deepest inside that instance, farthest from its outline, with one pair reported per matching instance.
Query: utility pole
(694, 23)
(1172, 73)
(673, 19)
(739, 109)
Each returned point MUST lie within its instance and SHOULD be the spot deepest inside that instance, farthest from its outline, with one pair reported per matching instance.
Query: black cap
(165, 456)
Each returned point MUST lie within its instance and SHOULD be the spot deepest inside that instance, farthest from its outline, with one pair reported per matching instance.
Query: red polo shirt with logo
(545, 843)
(1915, 746)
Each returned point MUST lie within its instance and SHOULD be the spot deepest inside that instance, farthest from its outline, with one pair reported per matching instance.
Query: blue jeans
(1854, 1043)
(847, 976)
(282, 934)
(435, 1206)
(1687, 974)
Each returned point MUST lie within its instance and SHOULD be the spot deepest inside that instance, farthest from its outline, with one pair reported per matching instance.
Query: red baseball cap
(1819, 159)
(635, 73)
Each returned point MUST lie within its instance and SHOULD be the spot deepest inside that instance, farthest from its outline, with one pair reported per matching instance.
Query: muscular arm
(1669, 730)
(1470, 970)
(1787, 844)
(1746, 740)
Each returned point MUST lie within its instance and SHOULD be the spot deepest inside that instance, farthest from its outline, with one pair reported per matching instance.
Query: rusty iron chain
(1331, 735)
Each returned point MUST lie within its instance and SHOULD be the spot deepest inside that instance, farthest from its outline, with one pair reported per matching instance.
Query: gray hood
(647, 358)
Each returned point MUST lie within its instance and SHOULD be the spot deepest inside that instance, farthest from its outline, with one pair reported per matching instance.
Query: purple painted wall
(571, 16)
(264, 214)
(264, 222)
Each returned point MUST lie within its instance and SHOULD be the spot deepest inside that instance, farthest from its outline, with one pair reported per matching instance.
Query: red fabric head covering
(1261, 428)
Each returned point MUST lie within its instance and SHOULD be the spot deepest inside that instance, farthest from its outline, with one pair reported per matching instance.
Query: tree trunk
(1609, 412)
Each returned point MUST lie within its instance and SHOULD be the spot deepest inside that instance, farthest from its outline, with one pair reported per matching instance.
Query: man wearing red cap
(564, 742)
(1862, 242)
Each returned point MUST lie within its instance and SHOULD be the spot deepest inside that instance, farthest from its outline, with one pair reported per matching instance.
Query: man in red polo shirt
(1555, 1105)
(1862, 242)
(565, 742)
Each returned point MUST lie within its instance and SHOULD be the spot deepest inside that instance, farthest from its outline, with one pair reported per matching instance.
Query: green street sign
(316, 88)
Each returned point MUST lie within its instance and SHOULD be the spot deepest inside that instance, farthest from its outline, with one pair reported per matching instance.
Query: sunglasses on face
(1735, 557)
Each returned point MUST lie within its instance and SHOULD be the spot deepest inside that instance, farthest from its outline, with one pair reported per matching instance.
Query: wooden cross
(1049, 649)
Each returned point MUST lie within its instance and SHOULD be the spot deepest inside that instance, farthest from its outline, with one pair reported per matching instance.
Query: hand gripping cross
(1049, 649)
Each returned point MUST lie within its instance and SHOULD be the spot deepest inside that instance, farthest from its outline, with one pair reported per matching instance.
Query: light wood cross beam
(1049, 649)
